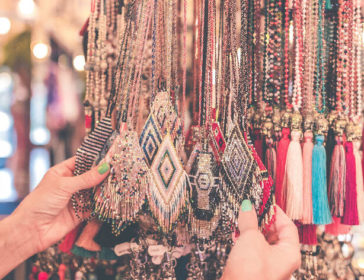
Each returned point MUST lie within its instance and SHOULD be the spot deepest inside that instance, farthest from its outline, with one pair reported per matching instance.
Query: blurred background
(41, 93)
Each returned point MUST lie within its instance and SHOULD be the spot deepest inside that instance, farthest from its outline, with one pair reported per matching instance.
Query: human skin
(274, 256)
(45, 215)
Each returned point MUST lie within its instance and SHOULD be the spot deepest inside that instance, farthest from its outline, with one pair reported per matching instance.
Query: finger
(285, 228)
(88, 179)
(287, 248)
(66, 167)
(247, 217)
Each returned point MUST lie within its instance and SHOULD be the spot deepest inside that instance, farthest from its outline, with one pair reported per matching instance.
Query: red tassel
(351, 210)
(258, 142)
(307, 234)
(359, 182)
(337, 228)
(281, 167)
(66, 245)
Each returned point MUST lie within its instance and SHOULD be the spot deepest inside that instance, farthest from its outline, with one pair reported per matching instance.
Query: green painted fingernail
(246, 205)
(103, 168)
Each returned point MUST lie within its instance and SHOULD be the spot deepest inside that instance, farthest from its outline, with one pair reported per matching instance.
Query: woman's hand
(46, 214)
(254, 256)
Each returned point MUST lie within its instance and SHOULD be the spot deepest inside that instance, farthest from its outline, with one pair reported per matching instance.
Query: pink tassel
(307, 234)
(281, 167)
(359, 182)
(337, 228)
(43, 276)
(258, 143)
(307, 178)
(294, 178)
(62, 271)
(86, 238)
(351, 210)
(337, 179)
(66, 245)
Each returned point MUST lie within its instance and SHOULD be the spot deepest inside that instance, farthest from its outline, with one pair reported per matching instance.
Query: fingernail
(103, 168)
(246, 205)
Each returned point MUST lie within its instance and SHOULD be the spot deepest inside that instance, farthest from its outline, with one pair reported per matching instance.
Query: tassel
(281, 167)
(62, 271)
(337, 228)
(271, 159)
(337, 180)
(351, 210)
(330, 144)
(307, 234)
(43, 276)
(328, 5)
(294, 178)
(107, 254)
(33, 274)
(359, 182)
(307, 178)
(258, 142)
(85, 244)
(81, 252)
(66, 245)
(320, 205)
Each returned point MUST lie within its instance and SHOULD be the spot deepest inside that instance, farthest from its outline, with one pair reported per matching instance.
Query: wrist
(16, 242)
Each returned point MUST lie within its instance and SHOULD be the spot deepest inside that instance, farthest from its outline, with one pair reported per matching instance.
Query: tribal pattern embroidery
(166, 117)
(238, 166)
(86, 155)
(204, 195)
(168, 191)
(150, 139)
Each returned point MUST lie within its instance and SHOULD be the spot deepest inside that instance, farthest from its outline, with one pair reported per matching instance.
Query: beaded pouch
(86, 155)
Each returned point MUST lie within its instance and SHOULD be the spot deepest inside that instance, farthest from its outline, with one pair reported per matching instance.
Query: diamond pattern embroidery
(165, 115)
(238, 163)
(168, 193)
(150, 139)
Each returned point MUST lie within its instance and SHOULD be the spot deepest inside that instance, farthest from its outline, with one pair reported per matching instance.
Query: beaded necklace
(286, 54)
(298, 69)
(320, 92)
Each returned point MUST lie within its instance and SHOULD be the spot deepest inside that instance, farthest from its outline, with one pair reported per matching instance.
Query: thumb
(247, 217)
(89, 179)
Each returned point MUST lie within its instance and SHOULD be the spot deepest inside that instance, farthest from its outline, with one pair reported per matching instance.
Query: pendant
(238, 166)
(119, 199)
(205, 194)
(167, 194)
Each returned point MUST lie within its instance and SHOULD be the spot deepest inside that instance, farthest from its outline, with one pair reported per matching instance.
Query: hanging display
(273, 82)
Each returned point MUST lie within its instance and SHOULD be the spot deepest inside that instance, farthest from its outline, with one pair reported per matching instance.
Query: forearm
(16, 243)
